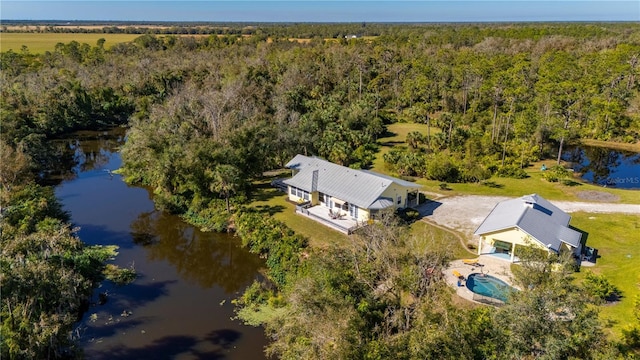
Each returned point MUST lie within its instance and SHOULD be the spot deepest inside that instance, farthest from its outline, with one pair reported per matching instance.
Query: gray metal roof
(381, 203)
(300, 161)
(358, 187)
(537, 217)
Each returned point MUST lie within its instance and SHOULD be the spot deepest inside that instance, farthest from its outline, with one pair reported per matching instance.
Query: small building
(338, 192)
(527, 221)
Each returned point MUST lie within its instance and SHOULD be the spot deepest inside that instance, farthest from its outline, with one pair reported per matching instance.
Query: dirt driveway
(465, 213)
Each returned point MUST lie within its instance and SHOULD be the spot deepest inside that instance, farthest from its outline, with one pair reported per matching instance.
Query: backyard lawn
(274, 202)
(446, 238)
(617, 239)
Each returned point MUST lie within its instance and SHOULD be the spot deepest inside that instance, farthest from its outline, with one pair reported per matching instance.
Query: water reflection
(85, 151)
(180, 304)
(193, 252)
(606, 167)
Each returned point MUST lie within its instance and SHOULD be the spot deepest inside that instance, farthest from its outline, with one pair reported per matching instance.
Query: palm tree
(225, 180)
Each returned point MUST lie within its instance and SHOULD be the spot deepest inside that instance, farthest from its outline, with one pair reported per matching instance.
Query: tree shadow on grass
(492, 184)
(391, 143)
(270, 209)
(387, 134)
(571, 183)
(264, 192)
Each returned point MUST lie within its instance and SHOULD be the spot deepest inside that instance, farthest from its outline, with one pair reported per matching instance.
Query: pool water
(488, 285)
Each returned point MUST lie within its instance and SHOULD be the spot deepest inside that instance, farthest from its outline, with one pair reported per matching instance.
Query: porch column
(513, 251)
(480, 246)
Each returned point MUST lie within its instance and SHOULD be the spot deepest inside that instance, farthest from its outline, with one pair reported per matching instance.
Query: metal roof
(358, 187)
(537, 217)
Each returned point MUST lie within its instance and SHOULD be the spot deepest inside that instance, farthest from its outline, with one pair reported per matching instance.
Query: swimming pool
(488, 285)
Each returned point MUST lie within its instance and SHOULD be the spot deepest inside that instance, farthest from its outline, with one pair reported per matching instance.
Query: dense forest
(208, 114)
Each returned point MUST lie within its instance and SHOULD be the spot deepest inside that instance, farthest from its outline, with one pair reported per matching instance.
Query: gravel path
(466, 213)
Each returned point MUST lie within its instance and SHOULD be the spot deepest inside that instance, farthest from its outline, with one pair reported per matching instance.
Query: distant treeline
(470, 32)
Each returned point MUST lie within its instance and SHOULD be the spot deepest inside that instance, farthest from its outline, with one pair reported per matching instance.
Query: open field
(40, 43)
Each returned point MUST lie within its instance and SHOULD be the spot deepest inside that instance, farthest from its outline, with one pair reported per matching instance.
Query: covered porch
(498, 248)
(321, 214)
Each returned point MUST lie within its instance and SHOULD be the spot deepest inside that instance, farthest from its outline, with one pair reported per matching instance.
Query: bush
(631, 336)
(272, 239)
(556, 173)
(443, 169)
(511, 171)
(600, 287)
(408, 215)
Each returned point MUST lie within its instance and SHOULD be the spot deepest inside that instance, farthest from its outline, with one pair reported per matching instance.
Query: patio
(344, 224)
(487, 264)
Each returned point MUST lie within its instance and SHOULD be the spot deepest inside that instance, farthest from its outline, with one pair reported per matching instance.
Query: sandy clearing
(465, 213)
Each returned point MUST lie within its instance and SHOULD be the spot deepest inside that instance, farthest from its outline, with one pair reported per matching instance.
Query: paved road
(465, 213)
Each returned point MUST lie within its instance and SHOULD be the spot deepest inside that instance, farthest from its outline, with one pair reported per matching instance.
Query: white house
(527, 221)
(342, 191)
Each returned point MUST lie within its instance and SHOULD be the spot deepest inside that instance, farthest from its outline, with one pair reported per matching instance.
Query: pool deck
(492, 265)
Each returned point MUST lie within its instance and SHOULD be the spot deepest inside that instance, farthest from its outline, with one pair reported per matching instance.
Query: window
(399, 199)
(299, 193)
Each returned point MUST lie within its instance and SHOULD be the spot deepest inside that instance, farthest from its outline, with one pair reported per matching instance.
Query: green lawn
(274, 202)
(397, 136)
(39, 43)
(617, 239)
(425, 230)
(533, 184)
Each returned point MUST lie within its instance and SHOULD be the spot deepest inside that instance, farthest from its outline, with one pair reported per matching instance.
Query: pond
(605, 166)
(180, 304)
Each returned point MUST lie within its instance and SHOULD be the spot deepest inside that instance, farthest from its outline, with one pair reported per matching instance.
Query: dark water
(180, 306)
(606, 167)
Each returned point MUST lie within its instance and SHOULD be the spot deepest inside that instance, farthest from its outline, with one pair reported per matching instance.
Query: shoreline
(612, 144)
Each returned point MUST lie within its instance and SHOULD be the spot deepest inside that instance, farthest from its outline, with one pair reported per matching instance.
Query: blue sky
(323, 11)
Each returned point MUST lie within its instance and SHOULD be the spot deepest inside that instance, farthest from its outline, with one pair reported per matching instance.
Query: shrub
(600, 287)
(556, 173)
(408, 215)
(443, 169)
(272, 239)
(511, 171)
